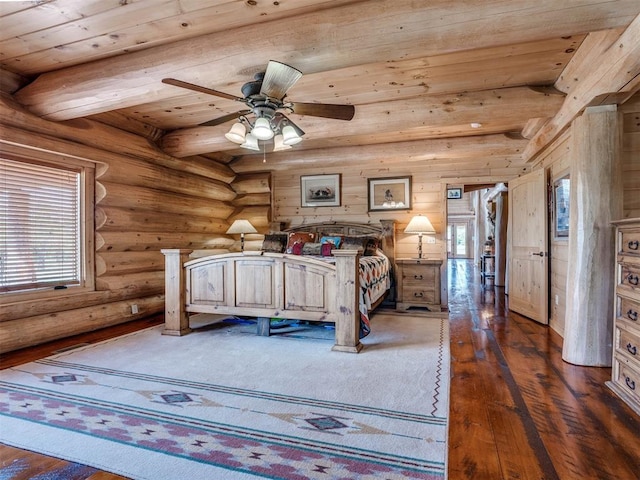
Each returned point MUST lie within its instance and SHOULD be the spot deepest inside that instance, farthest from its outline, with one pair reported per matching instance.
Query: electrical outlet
(134, 309)
(557, 299)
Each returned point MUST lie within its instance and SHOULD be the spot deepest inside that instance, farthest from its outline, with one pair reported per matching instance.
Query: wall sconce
(420, 224)
(241, 226)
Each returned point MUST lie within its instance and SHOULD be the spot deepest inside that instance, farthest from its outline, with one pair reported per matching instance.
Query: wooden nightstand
(418, 284)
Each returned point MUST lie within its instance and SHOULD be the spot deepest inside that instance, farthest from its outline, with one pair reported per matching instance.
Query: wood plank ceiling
(419, 73)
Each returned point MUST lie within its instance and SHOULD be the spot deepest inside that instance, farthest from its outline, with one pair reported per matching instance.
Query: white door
(527, 246)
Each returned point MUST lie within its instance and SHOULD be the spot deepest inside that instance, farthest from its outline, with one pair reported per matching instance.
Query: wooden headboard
(386, 229)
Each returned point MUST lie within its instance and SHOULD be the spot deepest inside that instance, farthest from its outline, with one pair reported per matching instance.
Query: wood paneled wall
(428, 197)
(145, 201)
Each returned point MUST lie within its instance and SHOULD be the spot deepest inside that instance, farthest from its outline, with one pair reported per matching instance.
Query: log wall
(145, 201)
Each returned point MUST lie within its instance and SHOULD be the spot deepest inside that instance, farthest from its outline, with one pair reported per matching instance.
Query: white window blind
(40, 235)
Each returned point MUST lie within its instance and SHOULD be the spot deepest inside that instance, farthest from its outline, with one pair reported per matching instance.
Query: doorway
(458, 240)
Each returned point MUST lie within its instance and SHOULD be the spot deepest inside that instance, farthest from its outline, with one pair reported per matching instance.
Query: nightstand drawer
(419, 294)
(418, 275)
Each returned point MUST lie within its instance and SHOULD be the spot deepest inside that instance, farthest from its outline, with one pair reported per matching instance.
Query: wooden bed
(274, 285)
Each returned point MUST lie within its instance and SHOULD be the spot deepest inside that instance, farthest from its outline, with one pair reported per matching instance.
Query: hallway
(517, 410)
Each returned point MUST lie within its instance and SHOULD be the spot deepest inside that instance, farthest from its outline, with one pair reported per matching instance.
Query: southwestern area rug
(223, 403)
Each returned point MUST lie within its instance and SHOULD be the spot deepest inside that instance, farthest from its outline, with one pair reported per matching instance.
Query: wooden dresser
(418, 284)
(625, 381)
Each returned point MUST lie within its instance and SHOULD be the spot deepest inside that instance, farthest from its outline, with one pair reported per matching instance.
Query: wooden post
(502, 215)
(596, 200)
(176, 320)
(347, 300)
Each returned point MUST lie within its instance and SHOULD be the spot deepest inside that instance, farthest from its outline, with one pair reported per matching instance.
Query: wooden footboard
(265, 285)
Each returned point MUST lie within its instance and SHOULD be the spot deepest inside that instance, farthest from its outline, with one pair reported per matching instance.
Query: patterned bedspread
(375, 280)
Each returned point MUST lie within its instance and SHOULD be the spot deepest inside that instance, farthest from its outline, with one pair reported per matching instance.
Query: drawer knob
(633, 244)
(418, 294)
(418, 277)
(632, 349)
(632, 315)
(630, 383)
(633, 279)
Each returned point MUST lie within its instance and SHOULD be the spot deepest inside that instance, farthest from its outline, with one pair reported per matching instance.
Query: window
(43, 217)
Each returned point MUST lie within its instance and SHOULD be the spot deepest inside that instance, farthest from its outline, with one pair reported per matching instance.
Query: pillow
(335, 240)
(299, 237)
(372, 244)
(353, 243)
(275, 242)
(311, 248)
(367, 245)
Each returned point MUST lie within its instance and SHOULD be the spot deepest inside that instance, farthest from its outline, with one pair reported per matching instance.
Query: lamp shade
(251, 143)
(278, 144)
(241, 226)
(237, 133)
(290, 136)
(420, 224)
(262, 129)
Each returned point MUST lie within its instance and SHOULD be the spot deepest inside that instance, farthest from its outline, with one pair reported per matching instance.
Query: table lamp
(420, 224)
(241, 226)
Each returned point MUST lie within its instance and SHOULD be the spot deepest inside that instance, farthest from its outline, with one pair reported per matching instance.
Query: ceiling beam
(611, 73)
(430, 116)
(477, 148)
(408, 30)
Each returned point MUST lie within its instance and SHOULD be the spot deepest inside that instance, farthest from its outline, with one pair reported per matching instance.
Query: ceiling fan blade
(224, 119)
(198, 88)
(326, 110)
(278, 79)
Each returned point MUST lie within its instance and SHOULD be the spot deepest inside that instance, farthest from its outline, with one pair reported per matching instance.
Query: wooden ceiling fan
(265, 96)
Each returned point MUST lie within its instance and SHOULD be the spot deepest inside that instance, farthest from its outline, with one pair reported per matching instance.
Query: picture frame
(320, 190)
(389, 193)
(561, 190)
(454, 193)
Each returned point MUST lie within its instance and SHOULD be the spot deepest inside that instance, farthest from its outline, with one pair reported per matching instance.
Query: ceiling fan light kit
(264, 96)
(237, 133)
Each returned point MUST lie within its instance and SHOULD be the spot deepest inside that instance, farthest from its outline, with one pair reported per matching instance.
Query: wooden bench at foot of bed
(265, 285)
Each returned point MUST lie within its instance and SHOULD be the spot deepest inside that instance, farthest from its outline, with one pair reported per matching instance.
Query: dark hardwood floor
(517, 410)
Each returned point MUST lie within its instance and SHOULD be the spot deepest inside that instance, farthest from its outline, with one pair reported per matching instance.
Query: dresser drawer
(627, 378)
(629, 344)
(627, 310)
(629, 241)
(629, 278)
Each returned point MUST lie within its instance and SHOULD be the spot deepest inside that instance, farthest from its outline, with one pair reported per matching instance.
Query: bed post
(176, 320)
(347, 301)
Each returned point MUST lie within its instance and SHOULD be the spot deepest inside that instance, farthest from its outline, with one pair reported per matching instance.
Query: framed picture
(454, 193)
(320, 190)
(389, 193)
(561, 207)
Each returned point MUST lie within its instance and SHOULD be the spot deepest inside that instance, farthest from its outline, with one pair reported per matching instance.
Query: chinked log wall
(145, 201)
